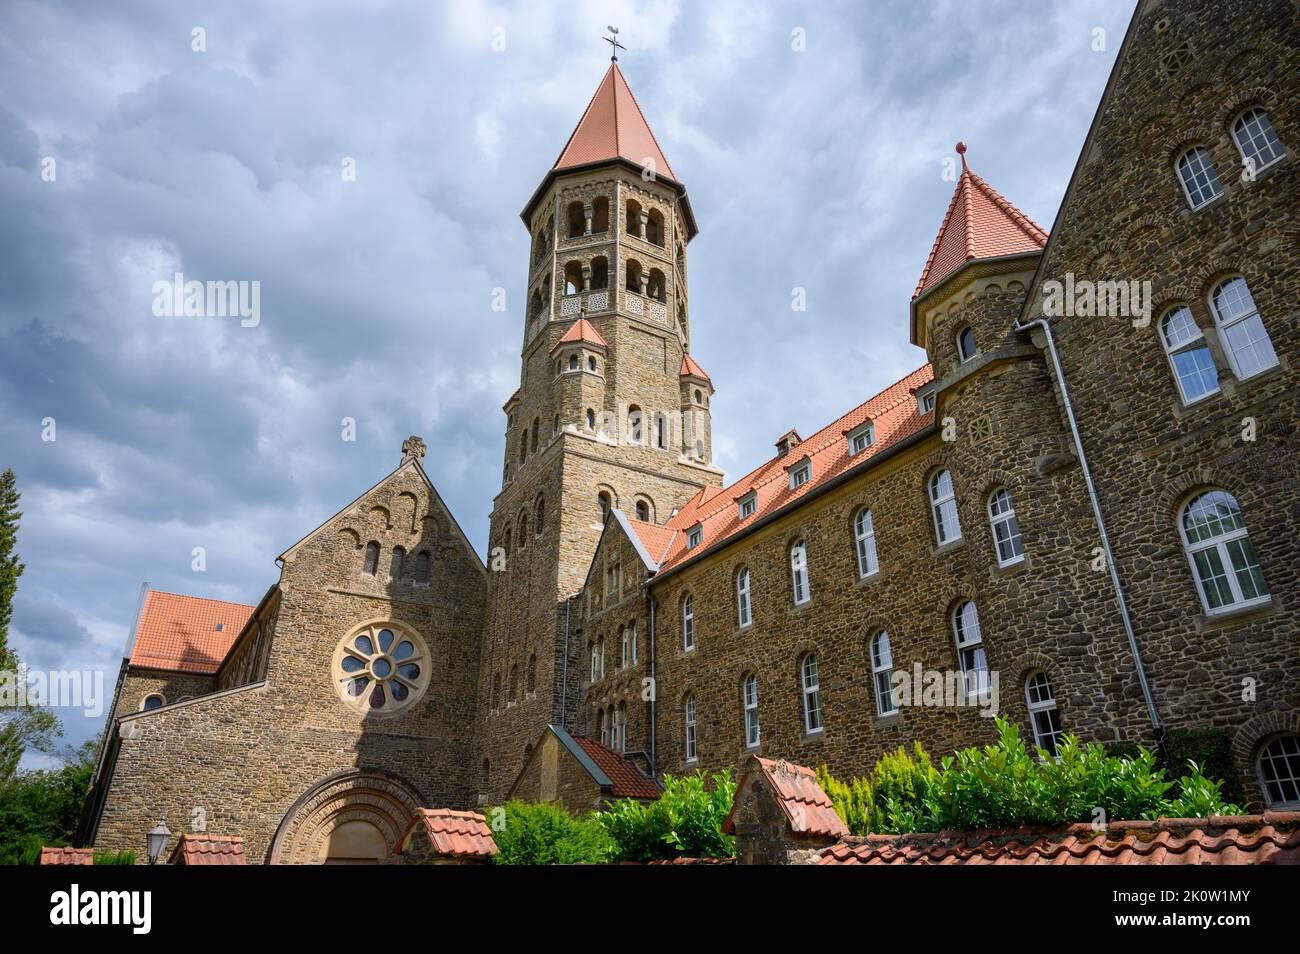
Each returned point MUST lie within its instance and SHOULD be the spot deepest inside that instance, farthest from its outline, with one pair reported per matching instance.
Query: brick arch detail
(1248, 738)
(383, 799)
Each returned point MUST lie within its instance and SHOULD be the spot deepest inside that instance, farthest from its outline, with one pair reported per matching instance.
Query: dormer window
(748, 504)
(800, 474)
(788, 442)
(862, 437)
(924, 402)
(694, 537)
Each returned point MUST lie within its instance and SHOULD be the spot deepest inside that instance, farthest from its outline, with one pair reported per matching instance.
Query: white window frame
(925, 401)
(864, 543)
(694, 537)
(144, 703)
(1206, 170)
(1005, 528)
(962, 355)
(748, 505)
(749, 703)
(812, 694)
(800, 583)
(1242, 119)
(601, 645)
(622, 727)
(595, 666)
(1220, 545)
(688, 623)
(937, 507)
(1283, 762)
(1192, 340)
(691, 729)
(864, 435)
(800, 474)
(972, 658)
(603, 727)
(882, 674)
(1045, 707)
(1226, 326)
(744, 608)
(625, 648)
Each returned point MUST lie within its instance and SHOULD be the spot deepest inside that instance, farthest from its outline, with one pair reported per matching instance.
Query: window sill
(886, 721)
(948, 547)
(869, 579)
(1209, 622)
(1011, 569)
(1214, 203)
(806, 738)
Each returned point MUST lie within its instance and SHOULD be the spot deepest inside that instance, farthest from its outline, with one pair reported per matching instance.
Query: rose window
(381, 668)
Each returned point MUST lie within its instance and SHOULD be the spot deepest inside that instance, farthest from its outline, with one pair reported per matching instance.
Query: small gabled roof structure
(450, 834)
(204, 849)
(808, 810)
(581, 331)
(691, 369)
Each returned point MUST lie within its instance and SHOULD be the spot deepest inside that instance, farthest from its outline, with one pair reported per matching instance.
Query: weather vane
(614, 45)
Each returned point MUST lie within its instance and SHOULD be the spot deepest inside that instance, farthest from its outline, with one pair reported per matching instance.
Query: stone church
(1079, 512)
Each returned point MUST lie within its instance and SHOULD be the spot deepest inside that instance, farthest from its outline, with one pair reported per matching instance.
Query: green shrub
(685, 821)
(114, 857)
(546, 834)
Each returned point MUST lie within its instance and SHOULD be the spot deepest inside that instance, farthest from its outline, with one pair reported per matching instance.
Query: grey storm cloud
(817, 169)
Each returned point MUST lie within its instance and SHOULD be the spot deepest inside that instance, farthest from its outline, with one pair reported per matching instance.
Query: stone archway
(353, 817)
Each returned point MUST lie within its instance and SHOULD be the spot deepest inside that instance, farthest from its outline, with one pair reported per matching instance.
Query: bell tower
(612, 409)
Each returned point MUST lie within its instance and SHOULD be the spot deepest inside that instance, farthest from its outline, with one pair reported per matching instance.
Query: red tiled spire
(692, 369)
(979, 223)
(582, 331)
(613, 127)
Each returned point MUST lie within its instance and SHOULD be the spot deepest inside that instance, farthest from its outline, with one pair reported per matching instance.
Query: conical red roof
(691, 368)
(583, 331)
(979, 224)
(613, 127)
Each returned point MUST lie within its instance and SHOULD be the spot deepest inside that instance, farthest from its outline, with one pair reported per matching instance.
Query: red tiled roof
(653, 537)
(1269, 839)
(613, 127)
(180, 632)
(628, 782)
(67, 856)
(455, 834)
(807, 808)
(979, 223)
(584, 331)
(894, 414)
(200, 849)
(691, 368)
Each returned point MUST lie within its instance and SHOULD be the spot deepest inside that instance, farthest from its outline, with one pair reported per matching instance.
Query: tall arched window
(1044, 717)
(599, 273)
(531, 683)
(654, 227)
(605, 504)
(1223, 559)
(688, 623)
(602, 728)
(643, 511)
(1241, 328)
(540, 515)
(970, 649)
(621, 745)
(572, 278)
(1199, 180)
(812, 694)
(633, 279)
(591, 419)
(1256, 141)
(864, 536)
(966, 344)
(595, 665)
(422, 566)
(749, 701)
(577, 216)
(943, 505)
(688, 720)
(1189, 355)
(600, 646)
(743, 613)
(882, 673)
(1279, 772)
(799, 573)
(661, 431)
(633, 217)
(1006, 529)
(370, 564)
(635, 425)
(395, 562)
(600, 215)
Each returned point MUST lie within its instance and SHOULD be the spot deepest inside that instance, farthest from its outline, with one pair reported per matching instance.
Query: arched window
(540, 516)
(688, 720)
(422, 565)
(943, 505)
(699, 397)
(602, 728)
(882, 673)
(1279, 772)
(591, 366)
(591, 419)
(573, 362)
(523, 529)
(577, 219)
(625, 650)
(633, 224)
(621, 745)
(970, 650)
(512, 689)
(600, 657)
(1241, 328)
(595, 663)
(661, 431)
(1199, 180)
(1258, 143)
(643, 511)
(743, 615)
(635, 425)
(812, 694)
(1189, 355)
(603, 501)
(572, 278)
(749, 700)
(966, 344)
(599, 273)
(1222, 556)
(532, 674)
(395, 562)
(152, 701)
(600, 215)
(635, 653)
(371, 563)
(688, 623)
(615, 740)
(654, 227)
(864, 536)
(657, 286)
(1006, 529)
(799, 573)
(633, 276)
(1044, 717)
(537, 422)
(535, 305)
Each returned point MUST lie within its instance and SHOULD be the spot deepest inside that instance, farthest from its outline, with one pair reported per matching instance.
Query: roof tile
(581, 330)
(204, 849)
(67, 856)
(186, 633)
(613, 127)
(453, 833)
(808, 809)
(628, 780)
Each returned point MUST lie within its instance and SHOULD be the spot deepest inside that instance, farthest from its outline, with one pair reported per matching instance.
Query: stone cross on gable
(413, 448)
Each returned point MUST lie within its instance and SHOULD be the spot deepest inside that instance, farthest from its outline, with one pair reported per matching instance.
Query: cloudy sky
(819, 168)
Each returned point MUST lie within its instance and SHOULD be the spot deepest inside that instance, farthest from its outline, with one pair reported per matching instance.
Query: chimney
(787, 442)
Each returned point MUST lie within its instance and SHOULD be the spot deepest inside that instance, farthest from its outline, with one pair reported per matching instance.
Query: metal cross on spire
(614, 45)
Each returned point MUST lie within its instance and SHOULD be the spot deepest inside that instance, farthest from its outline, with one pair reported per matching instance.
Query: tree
(42, 807)
(10, 567)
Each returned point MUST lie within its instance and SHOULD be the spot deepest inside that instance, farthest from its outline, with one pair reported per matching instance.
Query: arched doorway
(353, 817)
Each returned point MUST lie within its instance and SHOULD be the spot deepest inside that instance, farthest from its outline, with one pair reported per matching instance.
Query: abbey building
(1084, 521)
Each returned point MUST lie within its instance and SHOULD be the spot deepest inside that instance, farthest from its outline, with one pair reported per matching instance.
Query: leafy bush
(1006, 785)
(685, 822)
(114, 857)
(545, 834)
